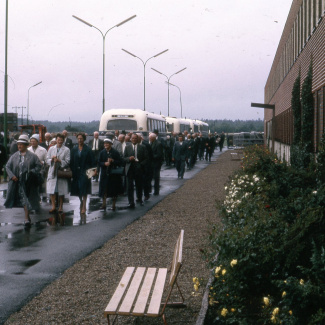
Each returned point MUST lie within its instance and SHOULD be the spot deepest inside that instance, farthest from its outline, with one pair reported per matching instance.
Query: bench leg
(113, 320)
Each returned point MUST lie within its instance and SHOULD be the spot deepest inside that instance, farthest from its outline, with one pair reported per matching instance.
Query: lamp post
(144, 73)
(5, 91)
(168, 78)
(28, 99)
(104, 35)
(180, 97)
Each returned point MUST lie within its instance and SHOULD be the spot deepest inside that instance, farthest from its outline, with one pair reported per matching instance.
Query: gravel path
(82, 293)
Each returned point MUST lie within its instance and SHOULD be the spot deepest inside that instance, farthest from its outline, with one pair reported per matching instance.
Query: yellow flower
(233, 263)
(224, 312)
(223, 272)
(218, 269)
(266, 301)
(290, 312)
(275, 311)
(273, 319)
(302, 282)
(233, 310)
(195, 280)
(196, 287)
(283, 294)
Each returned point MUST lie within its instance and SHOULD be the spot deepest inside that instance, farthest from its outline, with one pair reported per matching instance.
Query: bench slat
(155, 301)
(141, 303)
(127, 303)
(118, 294)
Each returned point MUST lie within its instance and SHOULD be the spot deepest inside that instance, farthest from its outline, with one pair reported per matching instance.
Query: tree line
(227, 126)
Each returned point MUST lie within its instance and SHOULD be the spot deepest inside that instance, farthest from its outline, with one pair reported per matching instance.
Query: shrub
(271, 237)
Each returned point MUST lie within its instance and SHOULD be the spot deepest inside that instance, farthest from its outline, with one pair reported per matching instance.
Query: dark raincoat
(110, 184)
(79, 163)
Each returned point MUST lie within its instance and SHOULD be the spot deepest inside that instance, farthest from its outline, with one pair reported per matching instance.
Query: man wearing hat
(22, 169)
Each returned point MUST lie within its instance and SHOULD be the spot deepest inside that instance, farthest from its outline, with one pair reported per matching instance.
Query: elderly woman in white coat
(57, 156)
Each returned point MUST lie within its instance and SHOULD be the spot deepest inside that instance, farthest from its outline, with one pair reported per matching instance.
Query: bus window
(121, 124)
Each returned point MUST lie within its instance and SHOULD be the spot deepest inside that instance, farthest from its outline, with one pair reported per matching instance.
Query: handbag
(65, 172)
(117, 171)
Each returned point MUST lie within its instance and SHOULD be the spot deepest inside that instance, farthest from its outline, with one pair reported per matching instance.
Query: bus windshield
(121, 124)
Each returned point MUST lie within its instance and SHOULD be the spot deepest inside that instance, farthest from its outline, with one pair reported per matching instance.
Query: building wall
(303, 40)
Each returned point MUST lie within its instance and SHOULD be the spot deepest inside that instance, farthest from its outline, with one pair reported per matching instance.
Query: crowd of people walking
(124, 164)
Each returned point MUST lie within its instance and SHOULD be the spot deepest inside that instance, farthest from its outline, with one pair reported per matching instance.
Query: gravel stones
(81, 294)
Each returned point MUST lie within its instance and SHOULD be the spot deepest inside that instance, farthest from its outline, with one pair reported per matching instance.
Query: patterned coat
(22, 193)
(62, 184)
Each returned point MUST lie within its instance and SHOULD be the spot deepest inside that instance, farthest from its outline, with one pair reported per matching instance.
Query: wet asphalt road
(31, 259)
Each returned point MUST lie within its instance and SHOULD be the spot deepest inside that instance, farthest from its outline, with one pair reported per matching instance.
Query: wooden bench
(141, 289)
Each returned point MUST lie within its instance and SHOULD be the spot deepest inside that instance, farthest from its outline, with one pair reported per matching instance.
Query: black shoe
(27, 224)
(156, 193)
(131, 206)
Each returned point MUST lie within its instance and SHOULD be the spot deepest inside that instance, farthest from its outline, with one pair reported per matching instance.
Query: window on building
(319, 115)
(301, 27)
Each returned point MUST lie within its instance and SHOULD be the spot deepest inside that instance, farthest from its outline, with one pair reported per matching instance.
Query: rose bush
(271, 261)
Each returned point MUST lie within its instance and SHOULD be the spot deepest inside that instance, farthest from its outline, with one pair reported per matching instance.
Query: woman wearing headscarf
(110, 185)
(82, 158)
(22, 169)
(58, 156)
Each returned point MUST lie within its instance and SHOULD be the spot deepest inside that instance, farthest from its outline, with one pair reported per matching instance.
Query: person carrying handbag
(58, 156)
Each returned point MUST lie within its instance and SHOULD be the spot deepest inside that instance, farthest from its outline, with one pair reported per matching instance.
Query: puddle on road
(24, 265)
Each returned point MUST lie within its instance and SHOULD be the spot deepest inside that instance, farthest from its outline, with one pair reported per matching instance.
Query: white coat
(52, 180)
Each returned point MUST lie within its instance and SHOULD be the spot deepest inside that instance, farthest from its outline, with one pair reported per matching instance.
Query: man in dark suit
(148, 170)
(190, 151)
(96, 145)
(67, 141)
(169, 145)
(180, 155)
(135, 157)
(47, 141)
(210, 145)
(157, 160)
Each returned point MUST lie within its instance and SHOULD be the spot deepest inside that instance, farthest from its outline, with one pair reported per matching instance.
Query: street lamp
(168, 78)
(104, 35)
(144, 69)
(28, 99)
(180, 96)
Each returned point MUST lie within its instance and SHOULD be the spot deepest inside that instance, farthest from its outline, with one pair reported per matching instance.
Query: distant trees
(229, 126)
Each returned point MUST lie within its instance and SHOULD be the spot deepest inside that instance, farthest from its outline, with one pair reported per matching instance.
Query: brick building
(302, 40)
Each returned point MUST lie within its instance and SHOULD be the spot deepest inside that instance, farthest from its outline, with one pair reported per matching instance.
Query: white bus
(131, 120)
(203, 127)
(177, 125)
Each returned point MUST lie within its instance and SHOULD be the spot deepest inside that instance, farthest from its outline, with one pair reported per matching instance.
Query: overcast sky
(227, 47)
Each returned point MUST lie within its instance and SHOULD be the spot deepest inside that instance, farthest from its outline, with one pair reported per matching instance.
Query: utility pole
(22, 112)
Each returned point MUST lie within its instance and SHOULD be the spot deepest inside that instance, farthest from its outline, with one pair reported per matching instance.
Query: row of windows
(308, 17)
(156, 125)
